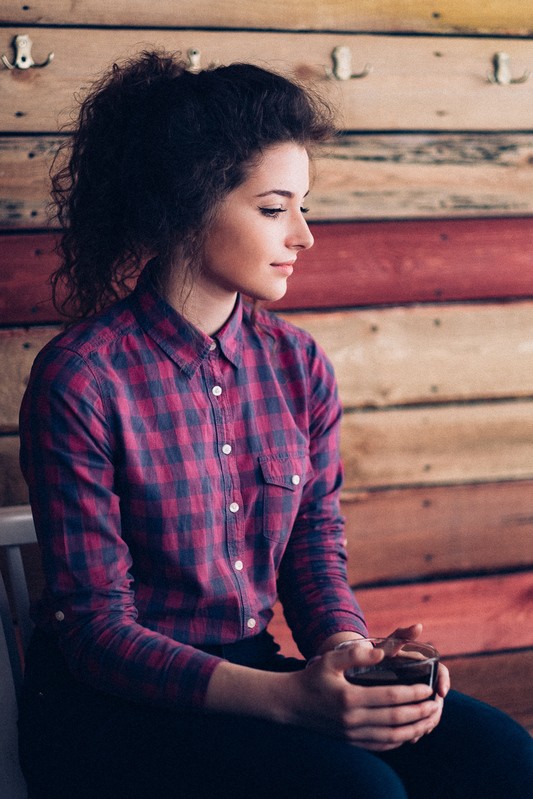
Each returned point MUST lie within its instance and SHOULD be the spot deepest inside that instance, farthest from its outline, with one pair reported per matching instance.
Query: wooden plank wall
(420, 285)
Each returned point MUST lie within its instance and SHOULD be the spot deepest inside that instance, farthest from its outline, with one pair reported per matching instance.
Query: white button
(295, 479)
(234, 507)
(239, 565)
(60, 616)
(217, 391)
(213, 346)
(251, 623)
(226, 449)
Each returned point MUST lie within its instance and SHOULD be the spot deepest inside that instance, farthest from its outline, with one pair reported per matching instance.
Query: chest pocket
(284, 476)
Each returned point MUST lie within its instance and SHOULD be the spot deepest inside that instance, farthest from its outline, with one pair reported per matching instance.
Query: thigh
(476, 751)
(76, 742)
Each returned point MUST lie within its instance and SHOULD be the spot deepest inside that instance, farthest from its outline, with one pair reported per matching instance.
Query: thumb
(406, 633)
(360, 652)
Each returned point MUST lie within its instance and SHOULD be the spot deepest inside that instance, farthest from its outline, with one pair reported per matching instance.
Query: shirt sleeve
(313, 585)
(67, 458)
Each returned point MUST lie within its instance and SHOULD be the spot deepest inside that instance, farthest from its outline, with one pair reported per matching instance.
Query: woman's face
(260, 228)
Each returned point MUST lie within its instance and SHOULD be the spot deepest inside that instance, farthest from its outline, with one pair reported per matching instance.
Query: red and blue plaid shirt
(179, 483)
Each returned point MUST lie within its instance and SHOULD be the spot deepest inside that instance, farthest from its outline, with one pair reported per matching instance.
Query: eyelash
(273, 213)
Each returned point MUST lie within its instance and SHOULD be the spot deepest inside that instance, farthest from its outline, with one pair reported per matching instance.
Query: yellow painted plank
(434, 445)
(390, 176)
(416, 82)
(430, 353)
(491, 16)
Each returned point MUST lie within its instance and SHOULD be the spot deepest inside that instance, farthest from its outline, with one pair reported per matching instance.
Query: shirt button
(60, 616)
(226, 449)
(217, 391)
(239, 565)
(213, 346)
(295, 479)
(234, 507)
(251, 623)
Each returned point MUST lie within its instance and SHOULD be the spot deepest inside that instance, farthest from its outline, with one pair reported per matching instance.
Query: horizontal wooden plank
(460, 617)
(451, 16)
(433, 353)
(372, 262)
(454, 94)
(414, 533)
(435, 445)
(503, 681)
(383, 357)
(483, 614)
(396, 176)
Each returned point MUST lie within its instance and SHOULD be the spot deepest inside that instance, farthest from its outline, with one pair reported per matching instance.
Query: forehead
(283, 167)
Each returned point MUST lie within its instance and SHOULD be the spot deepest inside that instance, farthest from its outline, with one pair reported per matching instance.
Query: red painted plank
(351, 264)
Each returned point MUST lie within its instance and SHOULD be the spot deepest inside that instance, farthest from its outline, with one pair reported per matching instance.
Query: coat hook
(342, 65)
(23, 58)
(502, 71)
(193, 59)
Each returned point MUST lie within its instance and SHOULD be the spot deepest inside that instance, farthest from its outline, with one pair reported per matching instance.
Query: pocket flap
(287, 471)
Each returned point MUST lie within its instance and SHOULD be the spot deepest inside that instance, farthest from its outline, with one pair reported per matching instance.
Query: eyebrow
(280, 192)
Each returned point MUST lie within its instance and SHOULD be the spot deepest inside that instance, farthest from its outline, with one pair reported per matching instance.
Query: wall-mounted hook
(193, 59)
(502, 71)
(342, 65)
(23, 57)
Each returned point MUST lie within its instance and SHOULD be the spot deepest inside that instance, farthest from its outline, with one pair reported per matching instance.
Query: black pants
(78, 743)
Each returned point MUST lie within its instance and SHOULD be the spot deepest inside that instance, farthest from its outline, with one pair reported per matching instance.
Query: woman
(181, 451)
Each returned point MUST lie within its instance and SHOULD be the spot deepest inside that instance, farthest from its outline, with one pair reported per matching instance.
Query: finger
(443, 681)
(390, 737)
(387, 696)
(396, 716)
(411, 632)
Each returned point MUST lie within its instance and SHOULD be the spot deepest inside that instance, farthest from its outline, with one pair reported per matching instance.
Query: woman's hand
(376, 718)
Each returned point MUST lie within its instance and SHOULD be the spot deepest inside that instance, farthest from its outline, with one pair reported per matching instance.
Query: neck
(201, 305)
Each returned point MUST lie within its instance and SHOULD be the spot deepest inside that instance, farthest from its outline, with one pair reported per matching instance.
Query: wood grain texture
(435, 445)
(13, 490)
(428, 354)
(398, 176)
(372, 263)
(503, 681)
(18, 348)
(446, 16)
(416, 83)
(415, 533)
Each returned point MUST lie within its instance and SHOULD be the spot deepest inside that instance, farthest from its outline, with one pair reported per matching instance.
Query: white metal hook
(342, 65)
(502, 71)
(23, 57)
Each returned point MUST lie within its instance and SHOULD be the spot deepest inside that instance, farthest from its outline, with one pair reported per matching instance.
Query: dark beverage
(399, 670)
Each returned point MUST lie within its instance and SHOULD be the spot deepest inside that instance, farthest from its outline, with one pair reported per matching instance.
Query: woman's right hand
(375, 718)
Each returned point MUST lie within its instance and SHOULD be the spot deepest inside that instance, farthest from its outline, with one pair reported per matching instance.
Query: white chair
(16, 529)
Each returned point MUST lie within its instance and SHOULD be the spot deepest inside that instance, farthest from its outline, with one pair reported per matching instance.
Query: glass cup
(404, 663)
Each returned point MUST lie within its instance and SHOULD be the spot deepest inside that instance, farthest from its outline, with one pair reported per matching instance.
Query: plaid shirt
(178, 483)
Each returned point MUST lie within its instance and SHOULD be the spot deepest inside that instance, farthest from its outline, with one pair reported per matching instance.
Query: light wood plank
(414, 533)
(18, 349)
(382, 358)
(398, 356)
(372, 263)
(453, 16)
(454, 94)
(360, 177)
(444, 444)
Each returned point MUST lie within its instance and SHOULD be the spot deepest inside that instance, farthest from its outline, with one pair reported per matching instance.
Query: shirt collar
(184, 343)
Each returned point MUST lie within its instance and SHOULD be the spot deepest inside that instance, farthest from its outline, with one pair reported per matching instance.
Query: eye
(304, 210)
(272, 213)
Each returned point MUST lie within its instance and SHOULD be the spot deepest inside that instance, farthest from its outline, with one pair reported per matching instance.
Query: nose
(299, 236)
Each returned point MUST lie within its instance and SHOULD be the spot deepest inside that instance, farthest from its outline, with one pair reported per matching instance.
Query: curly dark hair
(155, 149)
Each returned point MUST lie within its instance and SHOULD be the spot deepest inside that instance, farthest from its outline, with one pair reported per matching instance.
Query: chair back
(16, 529)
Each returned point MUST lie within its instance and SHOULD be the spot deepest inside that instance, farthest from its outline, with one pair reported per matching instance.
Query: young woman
(181, 451)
